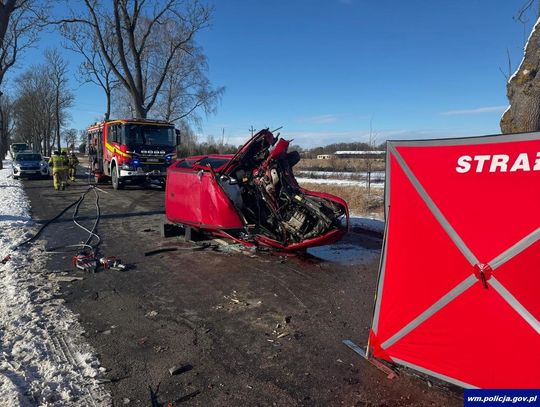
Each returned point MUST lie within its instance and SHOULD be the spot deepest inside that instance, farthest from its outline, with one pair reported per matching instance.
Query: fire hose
(86, 258)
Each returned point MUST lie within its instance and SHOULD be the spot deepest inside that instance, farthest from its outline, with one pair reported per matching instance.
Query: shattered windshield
(141, 135)
(214, 162)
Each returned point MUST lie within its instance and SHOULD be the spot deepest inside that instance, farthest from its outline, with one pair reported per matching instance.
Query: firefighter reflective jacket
(58, 163)
(73, 161)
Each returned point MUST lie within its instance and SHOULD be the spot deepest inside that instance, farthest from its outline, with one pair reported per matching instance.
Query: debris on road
(64, 278)
(112, 263)
(390, 374)
(179, 369)
(173, 249)
(85, 261)
(162, 250)
(151, 314)
(142, 341)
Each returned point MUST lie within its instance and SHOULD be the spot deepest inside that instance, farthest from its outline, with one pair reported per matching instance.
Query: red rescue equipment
(459, 282)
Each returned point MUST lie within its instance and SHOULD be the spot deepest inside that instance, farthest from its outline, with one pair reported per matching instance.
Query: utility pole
(251, 129)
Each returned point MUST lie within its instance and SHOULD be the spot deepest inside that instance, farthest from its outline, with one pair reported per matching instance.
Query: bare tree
(523, 91)
(369, 160)
(63, 98)
(18, 30)
(186, 89)
(6, 117)
(34, 109)
(523, 15)
(122, 103)
(70, 137)
(94, 68)
(188, 144)
(148, 37)
(82, 140)
(40, 108)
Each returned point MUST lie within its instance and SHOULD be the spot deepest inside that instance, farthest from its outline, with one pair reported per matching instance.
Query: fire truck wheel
(116, 183)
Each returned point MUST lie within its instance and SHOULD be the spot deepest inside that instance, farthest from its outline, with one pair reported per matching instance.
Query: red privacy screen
(459, 284)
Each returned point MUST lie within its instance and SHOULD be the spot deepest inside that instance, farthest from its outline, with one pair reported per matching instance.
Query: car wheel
(116, 183)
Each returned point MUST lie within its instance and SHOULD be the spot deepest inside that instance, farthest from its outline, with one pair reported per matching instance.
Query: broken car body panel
(195, 198)
(253, 198)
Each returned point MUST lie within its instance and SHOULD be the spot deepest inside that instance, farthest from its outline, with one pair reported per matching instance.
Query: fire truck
(132, 151)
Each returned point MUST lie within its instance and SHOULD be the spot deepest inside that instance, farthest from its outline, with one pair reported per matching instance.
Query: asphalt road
(242, 328)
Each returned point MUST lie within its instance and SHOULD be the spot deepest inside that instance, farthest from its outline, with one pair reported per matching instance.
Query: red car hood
(261, 140)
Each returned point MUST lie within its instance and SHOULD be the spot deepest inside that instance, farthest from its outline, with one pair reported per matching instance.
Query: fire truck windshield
(141, 135)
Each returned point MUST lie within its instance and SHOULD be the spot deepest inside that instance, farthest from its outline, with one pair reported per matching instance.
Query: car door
(183, 193)
(194, 197)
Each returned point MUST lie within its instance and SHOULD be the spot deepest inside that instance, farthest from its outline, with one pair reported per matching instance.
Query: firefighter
(57, 163)
(73, 162)
(66, 167)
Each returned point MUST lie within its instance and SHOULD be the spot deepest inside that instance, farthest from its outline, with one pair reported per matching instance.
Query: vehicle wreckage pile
(253, 197)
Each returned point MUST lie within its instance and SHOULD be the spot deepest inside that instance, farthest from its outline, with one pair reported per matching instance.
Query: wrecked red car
(253, 198)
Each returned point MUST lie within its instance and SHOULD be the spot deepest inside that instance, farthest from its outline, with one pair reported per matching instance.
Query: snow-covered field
(44, 360)
(357, 179)
(342, 174)
(334, 181)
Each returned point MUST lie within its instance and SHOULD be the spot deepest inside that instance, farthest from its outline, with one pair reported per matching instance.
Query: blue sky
(326, 70)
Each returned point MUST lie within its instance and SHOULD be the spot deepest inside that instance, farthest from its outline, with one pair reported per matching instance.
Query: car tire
(116, 183)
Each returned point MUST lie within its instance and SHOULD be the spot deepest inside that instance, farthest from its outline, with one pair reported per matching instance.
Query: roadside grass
(360, 203)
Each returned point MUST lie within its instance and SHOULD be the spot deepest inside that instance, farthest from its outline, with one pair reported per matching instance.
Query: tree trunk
(523, 90)
(48, 138)
(3, 138)
(57, 117)
(138, 110)
(108, 112)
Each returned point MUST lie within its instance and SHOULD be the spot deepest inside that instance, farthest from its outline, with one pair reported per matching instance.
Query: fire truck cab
(132, 151)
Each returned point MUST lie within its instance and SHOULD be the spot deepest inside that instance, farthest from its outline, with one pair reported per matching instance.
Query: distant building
(324, 156)
(361, 154)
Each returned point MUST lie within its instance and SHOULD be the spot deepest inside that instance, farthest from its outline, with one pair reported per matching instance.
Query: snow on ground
(342, 174)
(44, 360)
(345, 253)
(349, 254)
(373, 224)
(344, 178)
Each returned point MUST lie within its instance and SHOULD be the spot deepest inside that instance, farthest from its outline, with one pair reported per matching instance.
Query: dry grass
(360, 203)
(339, 164)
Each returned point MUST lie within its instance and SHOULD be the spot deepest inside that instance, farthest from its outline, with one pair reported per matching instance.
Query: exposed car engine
(263, 188)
